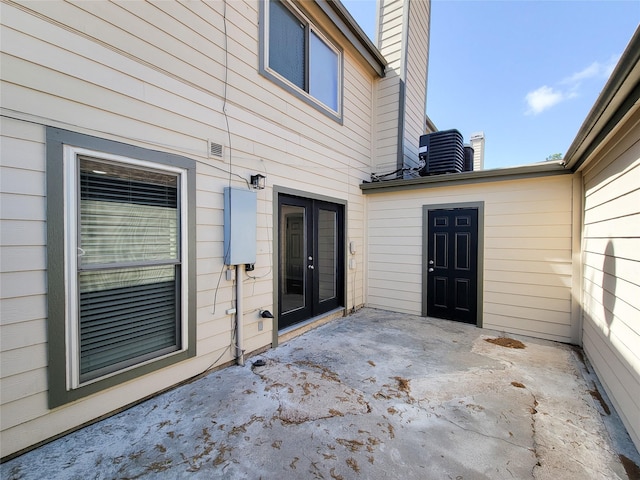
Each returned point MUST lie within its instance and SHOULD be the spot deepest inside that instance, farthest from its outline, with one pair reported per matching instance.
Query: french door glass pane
(286, 44)
(323, 72)
(293, 258)
(326, 257)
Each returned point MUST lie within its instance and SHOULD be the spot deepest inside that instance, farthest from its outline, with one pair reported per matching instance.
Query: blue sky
(526, 73)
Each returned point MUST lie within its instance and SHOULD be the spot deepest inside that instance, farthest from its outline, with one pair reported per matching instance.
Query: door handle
(430, 270)
(310, 267)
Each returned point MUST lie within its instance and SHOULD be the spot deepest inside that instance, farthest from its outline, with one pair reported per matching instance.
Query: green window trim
(164, 274)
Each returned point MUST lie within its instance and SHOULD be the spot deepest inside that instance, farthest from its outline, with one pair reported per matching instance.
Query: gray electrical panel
(240, 210)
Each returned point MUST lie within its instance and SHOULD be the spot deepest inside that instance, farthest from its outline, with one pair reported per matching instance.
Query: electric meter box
(240, 212)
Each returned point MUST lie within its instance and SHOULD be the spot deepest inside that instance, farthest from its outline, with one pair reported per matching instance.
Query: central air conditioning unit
(441, 152)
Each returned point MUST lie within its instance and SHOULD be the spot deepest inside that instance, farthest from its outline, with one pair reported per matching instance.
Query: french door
(310, 258)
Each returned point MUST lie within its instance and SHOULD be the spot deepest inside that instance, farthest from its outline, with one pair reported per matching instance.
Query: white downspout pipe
(239, 315)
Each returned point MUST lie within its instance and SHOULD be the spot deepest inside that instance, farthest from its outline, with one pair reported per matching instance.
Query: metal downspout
(239, 315)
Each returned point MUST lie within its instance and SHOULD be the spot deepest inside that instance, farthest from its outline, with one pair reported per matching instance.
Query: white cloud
(592, 70)
(542, 99)
(595, 70)
(546, 97)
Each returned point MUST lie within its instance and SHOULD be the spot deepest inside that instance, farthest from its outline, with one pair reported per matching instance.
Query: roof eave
(619, 95)
(536, 170)
(340, 16)
(431, 127)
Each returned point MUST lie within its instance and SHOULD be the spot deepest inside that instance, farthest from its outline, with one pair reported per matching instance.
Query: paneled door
(311, 258)
(452, 264)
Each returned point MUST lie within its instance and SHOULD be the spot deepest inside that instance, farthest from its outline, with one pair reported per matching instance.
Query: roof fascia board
(430, 125)
(466, 178)
(618, 96)
(343, 20)
(614, 122)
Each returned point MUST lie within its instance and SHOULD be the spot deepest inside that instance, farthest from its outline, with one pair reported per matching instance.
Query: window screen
(287, 44)
(301, 58)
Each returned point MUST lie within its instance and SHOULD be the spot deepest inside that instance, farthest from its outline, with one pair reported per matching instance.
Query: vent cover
(215, 150)
(441, 152)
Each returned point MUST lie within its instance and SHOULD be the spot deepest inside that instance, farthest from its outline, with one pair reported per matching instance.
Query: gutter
(545, 169)
(618, 96)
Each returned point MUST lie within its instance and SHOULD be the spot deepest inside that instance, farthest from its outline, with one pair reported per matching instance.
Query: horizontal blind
(129, 217)
(127, 220)
(124, 326)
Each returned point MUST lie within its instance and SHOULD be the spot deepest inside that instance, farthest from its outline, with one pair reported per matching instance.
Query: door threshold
(292, 331)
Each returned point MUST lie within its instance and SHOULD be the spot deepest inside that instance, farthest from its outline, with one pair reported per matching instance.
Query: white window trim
(71, 156)
(334, 113)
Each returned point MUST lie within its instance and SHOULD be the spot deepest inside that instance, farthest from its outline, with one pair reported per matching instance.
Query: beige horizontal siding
(407, 54)
(417, 52)
(23, 329)
(23, 332)
(527, 253)
(153, 75)
(16, 387)
(546, 292)
(611, 270)
(23, 308)
(389, 38)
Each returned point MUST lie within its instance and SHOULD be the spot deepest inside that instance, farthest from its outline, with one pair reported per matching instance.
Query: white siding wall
(527, 252)
(611, 241)
(153, 75)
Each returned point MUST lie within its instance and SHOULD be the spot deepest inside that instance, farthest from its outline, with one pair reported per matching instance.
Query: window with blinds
(128, 267)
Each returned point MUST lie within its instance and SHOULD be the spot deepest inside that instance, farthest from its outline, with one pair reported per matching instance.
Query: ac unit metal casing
(468, 158)
(442, 152)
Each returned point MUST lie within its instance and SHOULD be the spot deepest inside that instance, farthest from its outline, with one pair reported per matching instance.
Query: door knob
(430, 262)
(430, 270)
(310, 267)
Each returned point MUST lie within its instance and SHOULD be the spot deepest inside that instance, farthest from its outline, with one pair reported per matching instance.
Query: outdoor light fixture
(258, 181)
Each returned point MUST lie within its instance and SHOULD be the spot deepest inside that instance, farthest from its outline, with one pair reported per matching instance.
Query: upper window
(301, 58)
(126, 268)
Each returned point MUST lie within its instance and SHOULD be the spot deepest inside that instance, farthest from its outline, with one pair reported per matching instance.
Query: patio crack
(534, 412)
(461, 427)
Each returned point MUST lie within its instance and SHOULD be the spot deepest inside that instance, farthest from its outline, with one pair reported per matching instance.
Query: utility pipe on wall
(239, 315)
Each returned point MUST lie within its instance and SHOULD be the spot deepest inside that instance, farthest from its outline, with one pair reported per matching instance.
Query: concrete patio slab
(374, 395)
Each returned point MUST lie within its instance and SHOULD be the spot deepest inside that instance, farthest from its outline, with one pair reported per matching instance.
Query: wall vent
(215, 150)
